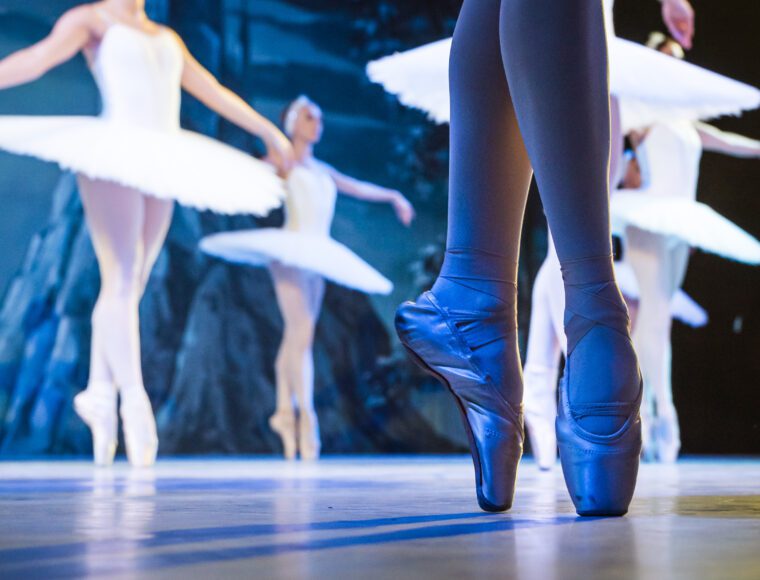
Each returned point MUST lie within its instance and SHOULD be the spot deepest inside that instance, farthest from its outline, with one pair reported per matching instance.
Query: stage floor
(367, 518)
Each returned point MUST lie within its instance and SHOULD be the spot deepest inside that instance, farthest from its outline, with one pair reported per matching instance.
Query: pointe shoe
(600, 470)
(97, 408)
(540, 402)
(309, 442)
(284, 424)
(668, 438)
(139, 427)
(494, 428)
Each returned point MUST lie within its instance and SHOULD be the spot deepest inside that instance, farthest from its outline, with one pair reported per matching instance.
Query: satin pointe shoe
(540, 401)
(600, 469)
(284, 424)
(433, 336)
(139, 427)
(309, 443)
(96, 406)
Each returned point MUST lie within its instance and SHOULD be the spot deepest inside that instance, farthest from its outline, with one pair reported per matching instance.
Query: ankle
(476, 280)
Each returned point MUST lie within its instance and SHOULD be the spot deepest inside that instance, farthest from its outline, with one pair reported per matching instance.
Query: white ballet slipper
(540, 405)
(283, 423)
(96, 406)
(668, 437)
(309, 442)
(139, 426)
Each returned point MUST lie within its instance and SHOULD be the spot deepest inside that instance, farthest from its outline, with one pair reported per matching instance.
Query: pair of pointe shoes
(96, 406)
(600, 470)
(298, 436)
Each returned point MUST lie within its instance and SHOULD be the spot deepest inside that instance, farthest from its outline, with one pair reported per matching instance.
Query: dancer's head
(302, 120)
(665, 44)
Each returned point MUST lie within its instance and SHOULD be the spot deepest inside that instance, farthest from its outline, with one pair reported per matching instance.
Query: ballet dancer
(514, 110)
(300, 256)
(657, 252)
(658, 249)
(132, 163)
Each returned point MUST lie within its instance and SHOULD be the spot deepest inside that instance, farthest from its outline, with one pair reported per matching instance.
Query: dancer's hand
(403, 208)
(678, 16)
(279, 152)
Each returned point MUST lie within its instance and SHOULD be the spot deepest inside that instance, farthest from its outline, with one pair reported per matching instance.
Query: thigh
(158, 217)
(114, 216)
(293, 294)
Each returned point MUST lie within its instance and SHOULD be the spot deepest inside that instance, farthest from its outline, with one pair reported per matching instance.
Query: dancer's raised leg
(555, 59)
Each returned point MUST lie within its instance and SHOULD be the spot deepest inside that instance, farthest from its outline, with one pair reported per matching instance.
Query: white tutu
(169, 164)
(682, 306)
(689, 221)
(651, 85)
(313, 252)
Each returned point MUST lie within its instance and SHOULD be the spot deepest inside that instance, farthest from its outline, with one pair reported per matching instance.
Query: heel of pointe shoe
(97, 408)
(284, 424)
(139, 427)
(600, 470)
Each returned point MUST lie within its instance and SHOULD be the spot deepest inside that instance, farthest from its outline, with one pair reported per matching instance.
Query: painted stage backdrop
(210, 330)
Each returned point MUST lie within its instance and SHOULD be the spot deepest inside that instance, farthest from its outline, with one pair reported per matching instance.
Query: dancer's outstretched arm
(70, 34)
(732, 144)
(678, 16)
(200, 83)
(371, 192)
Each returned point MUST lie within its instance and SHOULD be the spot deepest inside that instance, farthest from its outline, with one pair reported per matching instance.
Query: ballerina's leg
(542, 360)
(660, 266)
(158, 218)
(299, 295)
(115, 218)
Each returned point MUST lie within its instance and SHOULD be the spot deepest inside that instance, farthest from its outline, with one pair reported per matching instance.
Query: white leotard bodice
(310, 205)
(139, 77)
(669, 159)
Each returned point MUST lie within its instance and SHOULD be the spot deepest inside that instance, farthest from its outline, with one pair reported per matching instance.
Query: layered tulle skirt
(652, 87)
(685, 220)
(315, 253)
(179, 165)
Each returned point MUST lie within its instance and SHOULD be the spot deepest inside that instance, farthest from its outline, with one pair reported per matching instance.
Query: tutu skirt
(175, 164)
(686, 220)
(652, 87)
(315, 253)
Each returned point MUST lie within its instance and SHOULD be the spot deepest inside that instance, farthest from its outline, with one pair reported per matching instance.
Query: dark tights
(528, 82)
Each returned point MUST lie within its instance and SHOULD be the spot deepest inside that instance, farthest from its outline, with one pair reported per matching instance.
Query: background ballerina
(132, 163)
(300, 255)
(660, 222)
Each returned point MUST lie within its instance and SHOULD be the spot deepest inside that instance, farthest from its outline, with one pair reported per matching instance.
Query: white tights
(127, 229)
(299, 295)
(660, 266)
